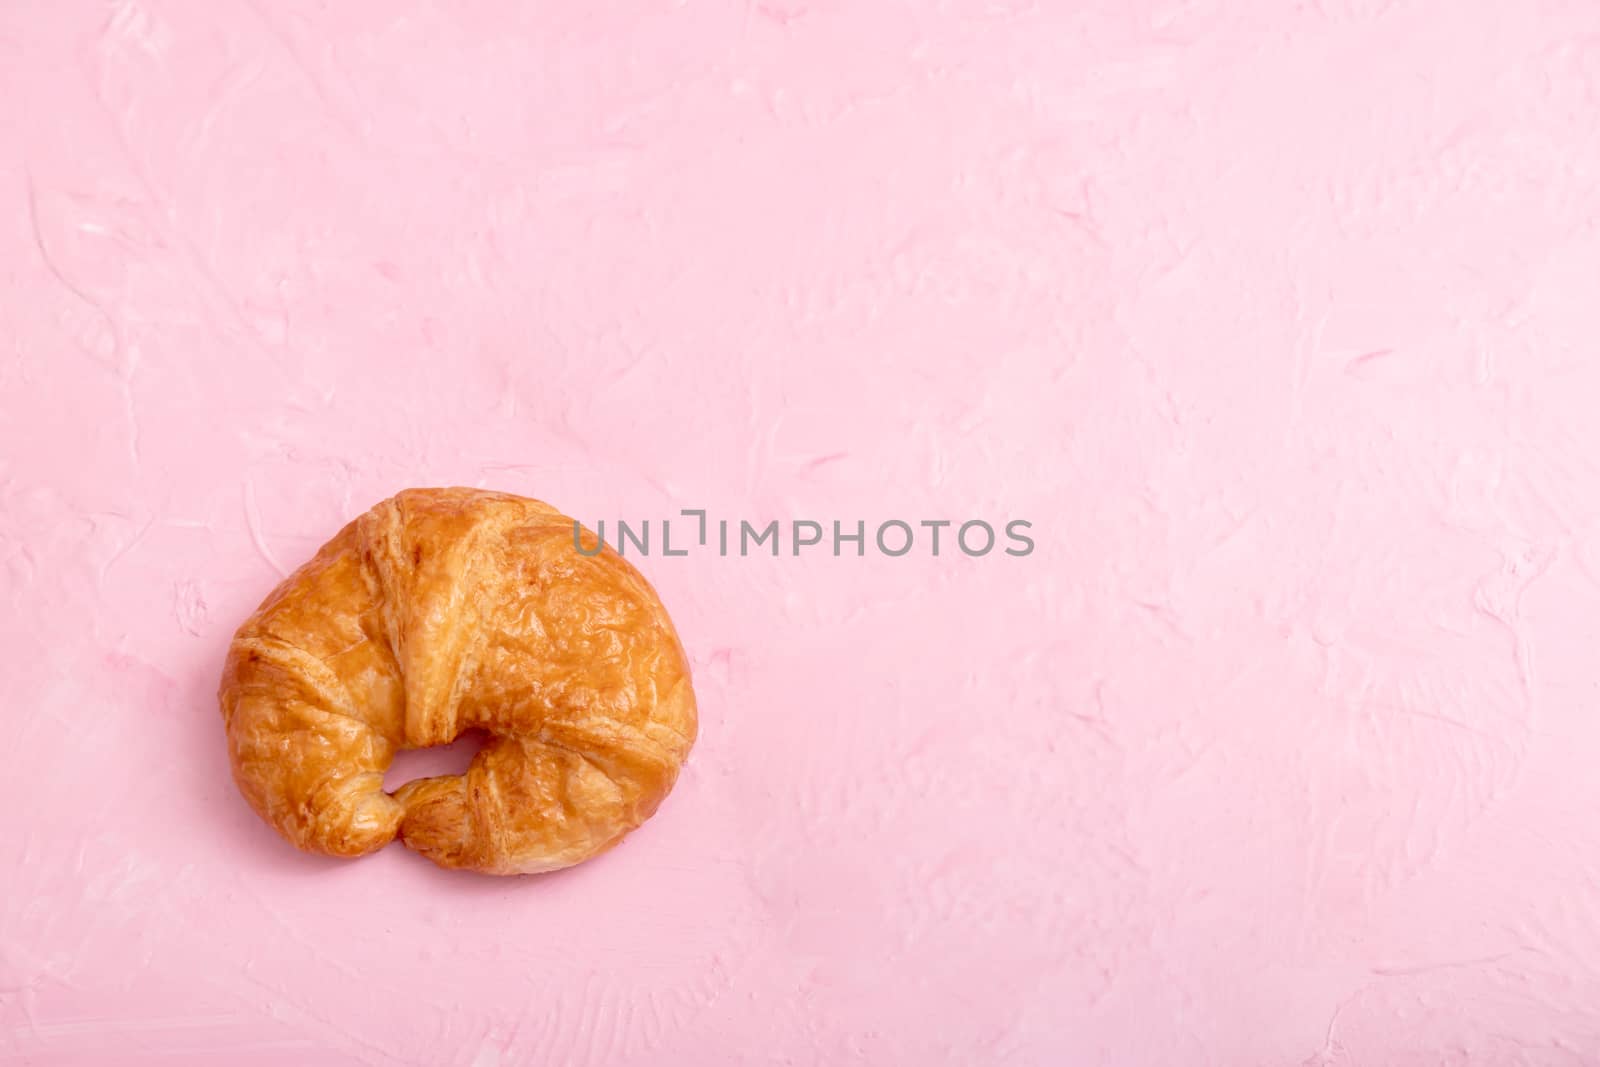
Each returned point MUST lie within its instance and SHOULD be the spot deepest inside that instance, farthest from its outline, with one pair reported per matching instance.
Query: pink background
(1279, 321)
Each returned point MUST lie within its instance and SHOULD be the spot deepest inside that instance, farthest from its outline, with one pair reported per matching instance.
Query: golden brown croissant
(438, 611)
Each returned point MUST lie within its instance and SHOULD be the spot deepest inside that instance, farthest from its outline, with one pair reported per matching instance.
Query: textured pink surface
(1278, 321)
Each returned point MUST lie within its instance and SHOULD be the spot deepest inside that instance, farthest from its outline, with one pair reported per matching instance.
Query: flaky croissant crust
(438, 611)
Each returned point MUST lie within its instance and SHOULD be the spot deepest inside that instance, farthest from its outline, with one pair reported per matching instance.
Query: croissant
(439, 611)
